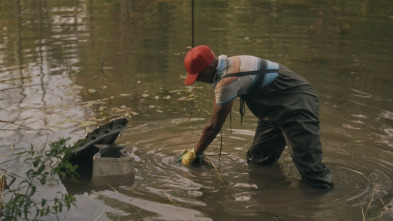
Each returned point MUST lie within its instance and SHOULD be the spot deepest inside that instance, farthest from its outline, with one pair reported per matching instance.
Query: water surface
(66, 66)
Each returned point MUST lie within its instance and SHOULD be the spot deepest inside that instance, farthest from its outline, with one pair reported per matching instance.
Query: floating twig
(137, 211)
(369, 204)
(99, 216)
(170, 199)
(208, 158)
(381, 200)
(114, 190)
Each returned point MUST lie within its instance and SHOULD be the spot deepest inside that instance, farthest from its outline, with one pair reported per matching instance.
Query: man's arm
(217, 120)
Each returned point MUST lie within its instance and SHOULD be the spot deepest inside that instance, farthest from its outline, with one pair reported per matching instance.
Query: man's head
(199, 65)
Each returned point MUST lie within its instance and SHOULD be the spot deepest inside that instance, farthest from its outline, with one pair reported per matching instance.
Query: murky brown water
(66, 65)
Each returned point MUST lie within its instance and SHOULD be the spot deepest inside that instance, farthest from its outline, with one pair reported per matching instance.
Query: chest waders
(288, 112)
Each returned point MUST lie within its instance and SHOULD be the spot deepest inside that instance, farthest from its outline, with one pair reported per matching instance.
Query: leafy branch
(23, 203)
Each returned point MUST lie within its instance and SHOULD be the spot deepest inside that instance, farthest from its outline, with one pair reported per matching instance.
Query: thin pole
(192, 21)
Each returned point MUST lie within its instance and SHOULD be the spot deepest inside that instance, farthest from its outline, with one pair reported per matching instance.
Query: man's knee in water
(260, 158)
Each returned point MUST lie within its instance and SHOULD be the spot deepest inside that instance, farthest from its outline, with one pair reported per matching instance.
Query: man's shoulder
(243, 57)
(241, 63)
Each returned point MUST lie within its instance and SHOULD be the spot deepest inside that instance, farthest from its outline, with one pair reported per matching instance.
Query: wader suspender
(260, 78)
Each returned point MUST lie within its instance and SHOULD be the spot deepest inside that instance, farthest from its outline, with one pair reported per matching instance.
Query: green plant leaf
(22, 205)
(20, 153)
(43, 202)
(33, 190)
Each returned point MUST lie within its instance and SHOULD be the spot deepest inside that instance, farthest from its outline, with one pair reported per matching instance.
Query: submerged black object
(87, 147)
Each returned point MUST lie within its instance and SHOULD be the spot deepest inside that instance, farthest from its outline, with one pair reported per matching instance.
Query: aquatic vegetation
(386, 213)
(19, 192)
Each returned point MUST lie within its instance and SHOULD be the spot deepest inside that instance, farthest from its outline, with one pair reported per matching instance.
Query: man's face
(207, 75)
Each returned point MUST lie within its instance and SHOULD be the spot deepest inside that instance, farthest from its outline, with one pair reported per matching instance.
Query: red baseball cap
(196, 60)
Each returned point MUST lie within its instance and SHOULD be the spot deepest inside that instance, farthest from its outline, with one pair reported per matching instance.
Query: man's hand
(190, 158)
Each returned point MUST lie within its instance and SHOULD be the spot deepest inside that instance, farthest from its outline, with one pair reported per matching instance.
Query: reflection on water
(66, 66)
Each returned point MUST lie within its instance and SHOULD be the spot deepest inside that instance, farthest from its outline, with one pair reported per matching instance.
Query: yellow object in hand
(189, 157)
